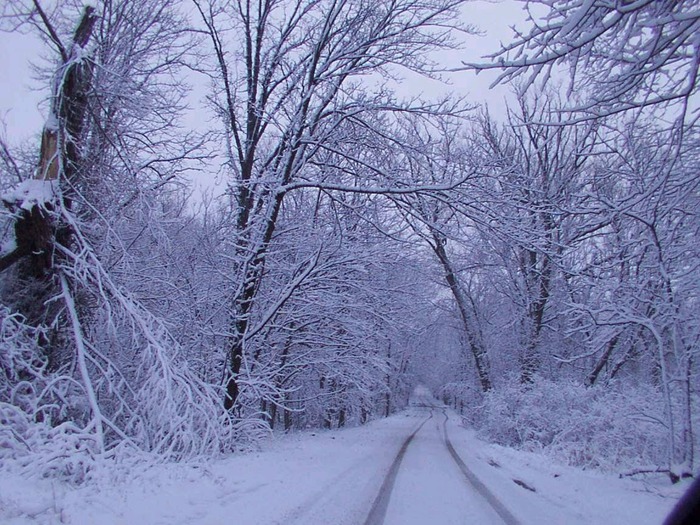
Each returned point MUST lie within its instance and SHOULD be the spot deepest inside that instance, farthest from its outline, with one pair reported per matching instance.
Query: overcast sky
(22, 112)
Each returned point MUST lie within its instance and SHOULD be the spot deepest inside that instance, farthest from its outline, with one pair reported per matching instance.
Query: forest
(539, 272)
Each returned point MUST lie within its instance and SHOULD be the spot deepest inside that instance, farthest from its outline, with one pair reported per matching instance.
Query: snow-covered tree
(105, 371)
(289, 91)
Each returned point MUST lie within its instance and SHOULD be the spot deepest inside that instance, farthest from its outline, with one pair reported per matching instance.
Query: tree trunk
(243, 304)
(273, 415)
(603, 361)
(537, 274)
(475, 344)
(37, 231)
(59, 158)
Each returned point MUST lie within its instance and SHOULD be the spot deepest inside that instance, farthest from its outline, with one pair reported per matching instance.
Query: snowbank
(330, 477)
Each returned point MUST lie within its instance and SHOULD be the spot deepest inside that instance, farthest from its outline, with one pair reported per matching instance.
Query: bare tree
(532, 193)
(288, 91)
(645, 310)
(39, 232)
(436, 154)
(635, 64)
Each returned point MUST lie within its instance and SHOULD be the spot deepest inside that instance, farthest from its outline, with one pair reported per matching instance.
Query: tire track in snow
(381, 502)
(475, 482)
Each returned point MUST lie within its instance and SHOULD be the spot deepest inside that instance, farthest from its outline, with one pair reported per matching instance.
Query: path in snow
(430, 483)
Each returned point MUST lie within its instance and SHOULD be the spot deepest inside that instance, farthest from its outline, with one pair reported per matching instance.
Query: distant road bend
(428, 482)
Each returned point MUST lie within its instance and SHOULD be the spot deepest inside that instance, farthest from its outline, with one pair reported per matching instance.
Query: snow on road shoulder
(538, 490)
(307, 478)
(326, 477)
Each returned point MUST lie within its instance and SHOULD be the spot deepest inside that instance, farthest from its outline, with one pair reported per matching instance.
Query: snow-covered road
(335, 477)
(430, 486)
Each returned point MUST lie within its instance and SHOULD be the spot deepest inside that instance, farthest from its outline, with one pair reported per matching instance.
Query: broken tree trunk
(38, 229)
(34, 200)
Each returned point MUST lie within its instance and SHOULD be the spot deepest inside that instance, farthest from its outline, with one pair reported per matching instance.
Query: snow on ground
(430, 488)
(562, 495)
(313, 477)
(333, 477)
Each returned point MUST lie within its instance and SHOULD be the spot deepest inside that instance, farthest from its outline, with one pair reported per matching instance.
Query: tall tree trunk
(473, 340)
(273, 415)
(243, 303)
(537, 274)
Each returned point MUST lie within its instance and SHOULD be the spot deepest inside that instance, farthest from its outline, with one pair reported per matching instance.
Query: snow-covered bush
(49, 428)
(36, 433)
(124, 390)
(610, 428)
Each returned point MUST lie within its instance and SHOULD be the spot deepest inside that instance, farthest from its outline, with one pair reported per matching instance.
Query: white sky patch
(20, 96)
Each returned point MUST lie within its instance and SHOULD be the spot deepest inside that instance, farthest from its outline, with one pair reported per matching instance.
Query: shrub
(609, 429)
